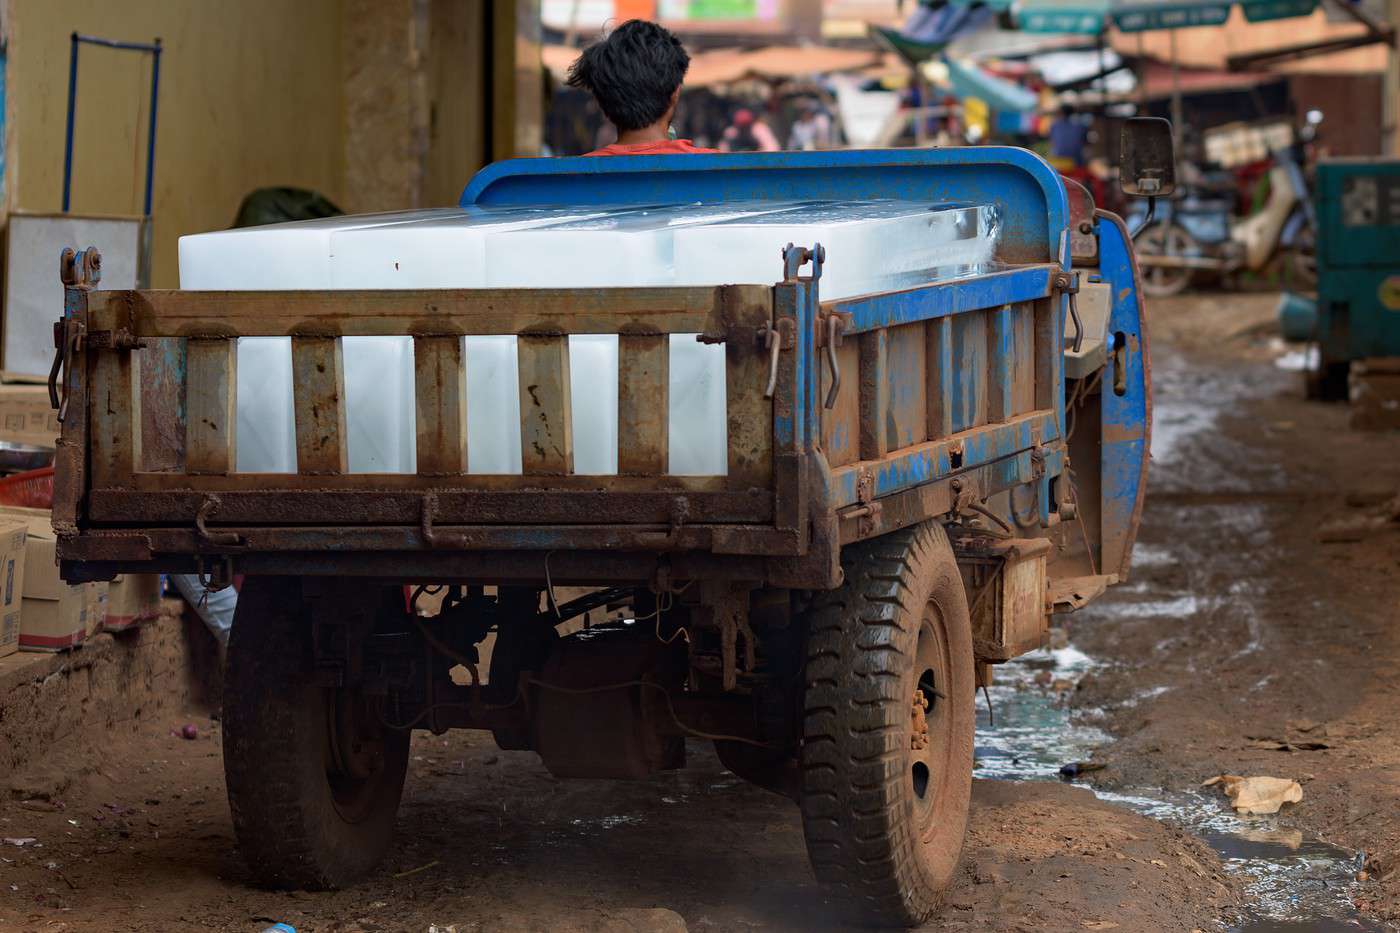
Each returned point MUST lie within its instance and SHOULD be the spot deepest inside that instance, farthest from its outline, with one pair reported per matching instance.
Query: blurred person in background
(747, 133)
(1069, 138)
(811, 129)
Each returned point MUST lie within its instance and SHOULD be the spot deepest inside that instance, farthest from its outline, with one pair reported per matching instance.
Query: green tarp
(1090, 17)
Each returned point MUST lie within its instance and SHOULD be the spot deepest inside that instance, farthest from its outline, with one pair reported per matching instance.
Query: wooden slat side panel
(546, 429)
(907, 387)
(440, 404)
(318, 378)
(841, 424)
(1048, 368)
(436, 312)
(115, 417)
(1023, 343)
(211, 397)
(1001, 363)
(939, 339)
(749, 416)
(969, 370)
(874, 394)
(163, 412)
(643, 386)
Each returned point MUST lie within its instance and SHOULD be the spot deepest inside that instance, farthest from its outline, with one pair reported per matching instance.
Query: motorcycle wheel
(1300, 264)
(1165, 238)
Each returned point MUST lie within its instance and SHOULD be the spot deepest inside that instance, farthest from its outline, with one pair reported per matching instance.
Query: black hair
(632, 73)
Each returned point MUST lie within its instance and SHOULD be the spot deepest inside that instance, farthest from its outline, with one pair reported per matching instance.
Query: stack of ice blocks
(870, 246)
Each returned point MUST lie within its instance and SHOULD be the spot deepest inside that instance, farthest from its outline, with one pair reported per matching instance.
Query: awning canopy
(967, 80)
(1090, 17)
(725, 66)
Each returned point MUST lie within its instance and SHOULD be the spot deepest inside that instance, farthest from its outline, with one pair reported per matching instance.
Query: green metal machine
(1358, 259)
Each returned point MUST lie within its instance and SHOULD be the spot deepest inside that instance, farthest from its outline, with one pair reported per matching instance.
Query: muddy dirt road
(1238, 629)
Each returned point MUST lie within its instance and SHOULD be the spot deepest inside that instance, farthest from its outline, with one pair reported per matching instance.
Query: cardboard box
(14, 533)
(53, 616)
(97, 615)
(132, 598)
(26, 417)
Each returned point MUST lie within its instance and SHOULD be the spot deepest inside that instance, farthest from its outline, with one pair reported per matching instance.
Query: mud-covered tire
(885, 821)
(300, 822)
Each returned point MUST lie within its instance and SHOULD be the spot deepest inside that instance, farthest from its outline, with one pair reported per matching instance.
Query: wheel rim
(355, 755)
(1166, 239)
(929, 726)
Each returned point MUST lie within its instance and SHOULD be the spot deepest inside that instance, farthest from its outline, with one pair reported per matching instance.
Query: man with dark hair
(635, 75)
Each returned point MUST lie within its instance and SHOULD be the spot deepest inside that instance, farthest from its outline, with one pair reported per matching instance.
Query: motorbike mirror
(1146, 159)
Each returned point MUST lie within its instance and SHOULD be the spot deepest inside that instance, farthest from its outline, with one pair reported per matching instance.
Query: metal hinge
(867, 511)
(119, 339)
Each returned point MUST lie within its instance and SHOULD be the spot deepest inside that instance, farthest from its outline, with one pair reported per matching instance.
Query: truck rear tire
(313, 775)
(886, 782)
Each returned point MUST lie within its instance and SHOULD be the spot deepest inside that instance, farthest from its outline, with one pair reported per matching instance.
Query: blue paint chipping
(1127, 418)
(992, 431)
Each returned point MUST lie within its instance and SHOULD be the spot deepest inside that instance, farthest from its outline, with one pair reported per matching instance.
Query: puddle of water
(1295, 884)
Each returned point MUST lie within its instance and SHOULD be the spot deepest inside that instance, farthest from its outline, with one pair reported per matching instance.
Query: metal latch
(67, 341)
(775, 339)
(207, 508)
(829, 337)
(1068, 283)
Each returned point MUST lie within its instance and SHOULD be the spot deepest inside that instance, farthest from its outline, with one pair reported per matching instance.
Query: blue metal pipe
(154, 48)
(151, 133)
(72, 107)
(118, 44)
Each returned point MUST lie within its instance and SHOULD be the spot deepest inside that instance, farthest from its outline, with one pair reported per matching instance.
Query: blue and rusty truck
(916, 481)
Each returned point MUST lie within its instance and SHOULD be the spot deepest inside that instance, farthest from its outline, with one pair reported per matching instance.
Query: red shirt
(663, 147)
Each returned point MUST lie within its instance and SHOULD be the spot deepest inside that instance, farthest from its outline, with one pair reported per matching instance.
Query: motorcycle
(1196, 232)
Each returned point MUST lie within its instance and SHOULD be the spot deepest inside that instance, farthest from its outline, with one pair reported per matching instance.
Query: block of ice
(619, 248)
(345, 252)
(870, 246)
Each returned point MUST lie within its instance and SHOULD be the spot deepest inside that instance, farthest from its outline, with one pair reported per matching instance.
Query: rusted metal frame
(93, 558)
(546, 412)
(1001, 363)
(375, 483)
(749, 414)
(643, 393)
(789, 408)
(318, 405)
(935, 460)
(403, 507)
(70, 458)
(874, 394)
(164, 365)
(420, 312)
(939, 356)
(148, 543)
(941, 299)
(114, 415)
(210, 402)
(440, 405)
(935, 499)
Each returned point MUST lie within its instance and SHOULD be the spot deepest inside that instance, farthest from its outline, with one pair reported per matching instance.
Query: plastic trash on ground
(1256, 796)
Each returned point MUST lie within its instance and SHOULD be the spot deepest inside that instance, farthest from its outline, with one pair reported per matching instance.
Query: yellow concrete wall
(250, 96)
(457, 65)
